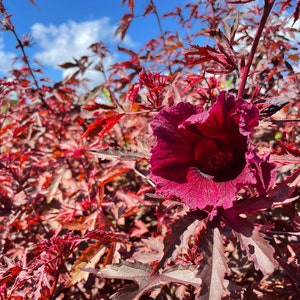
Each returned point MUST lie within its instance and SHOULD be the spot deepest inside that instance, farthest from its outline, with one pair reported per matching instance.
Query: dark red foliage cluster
(182, 184)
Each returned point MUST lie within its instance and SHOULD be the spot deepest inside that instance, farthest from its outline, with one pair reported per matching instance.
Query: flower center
(221, 161)
(219, 158)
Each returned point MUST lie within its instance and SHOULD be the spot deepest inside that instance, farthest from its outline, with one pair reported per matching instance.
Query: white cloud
(70, 40)
(60, 43)
(7, 59)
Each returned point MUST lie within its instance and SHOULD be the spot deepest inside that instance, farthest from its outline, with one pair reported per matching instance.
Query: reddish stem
(245, 70)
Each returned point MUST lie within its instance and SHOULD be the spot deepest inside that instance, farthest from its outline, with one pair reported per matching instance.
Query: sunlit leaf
(178, 236)
(259, 251)
(140, 274)
(214, 266)
(101, 126)
(107, 236)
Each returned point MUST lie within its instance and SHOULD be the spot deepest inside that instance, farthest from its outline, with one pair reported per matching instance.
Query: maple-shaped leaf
(141, 275)
(258, 250)
(179, 235)
(225, 40)
(101, 126)
(43, 270)
(215, 265)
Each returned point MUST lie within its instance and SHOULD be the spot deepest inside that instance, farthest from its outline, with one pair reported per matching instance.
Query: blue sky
(63, 29)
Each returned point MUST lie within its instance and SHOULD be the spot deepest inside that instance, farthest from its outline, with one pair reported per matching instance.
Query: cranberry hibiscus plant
(183, 184)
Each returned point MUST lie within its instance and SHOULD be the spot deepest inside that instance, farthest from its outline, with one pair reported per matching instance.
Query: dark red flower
(200, 156)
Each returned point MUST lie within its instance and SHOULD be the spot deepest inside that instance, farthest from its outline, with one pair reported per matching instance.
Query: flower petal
(198, 190)
(201, 157)
(173, 150)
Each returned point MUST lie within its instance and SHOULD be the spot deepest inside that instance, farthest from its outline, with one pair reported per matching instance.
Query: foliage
(81, 216)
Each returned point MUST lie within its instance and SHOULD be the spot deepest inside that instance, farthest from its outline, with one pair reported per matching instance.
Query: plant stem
(245, 70)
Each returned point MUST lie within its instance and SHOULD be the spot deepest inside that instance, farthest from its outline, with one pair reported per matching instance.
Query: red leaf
(282, 192)
(215, 265)
(133, 93)
(297, 12)
(112, 174)
(140, 274)
(127, 51)
(224, 57)
(140, 229)
(107, 236)
(199, 55)
(101, 126)
(20, 130)
(285, 159)
(8, 270)
(25, 83)
(130, 4)
(94, 106)
(258, 250)
(125, 23)
(178, 236)
(100, 49)
(149, 9)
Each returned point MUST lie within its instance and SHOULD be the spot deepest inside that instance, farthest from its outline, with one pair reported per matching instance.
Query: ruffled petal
(173, 151)
(198, 190)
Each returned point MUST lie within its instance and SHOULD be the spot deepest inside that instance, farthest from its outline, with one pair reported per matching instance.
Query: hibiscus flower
(201, 157)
